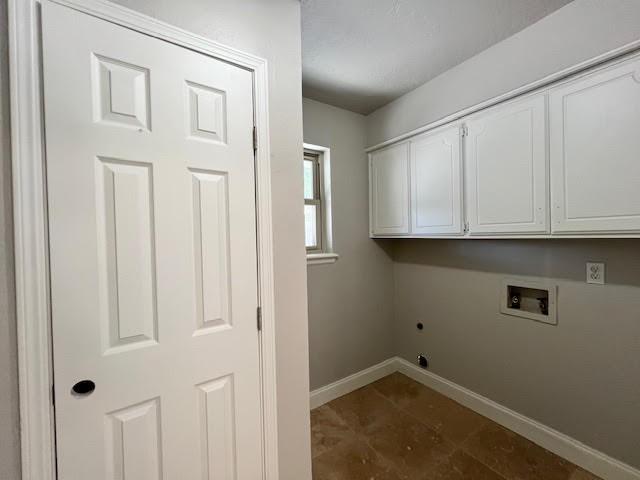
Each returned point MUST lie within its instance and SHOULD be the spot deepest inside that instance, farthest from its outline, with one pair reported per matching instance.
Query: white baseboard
(562, 445)
(352, 382)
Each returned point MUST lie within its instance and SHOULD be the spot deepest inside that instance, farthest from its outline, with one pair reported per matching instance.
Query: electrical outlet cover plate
(595, 273)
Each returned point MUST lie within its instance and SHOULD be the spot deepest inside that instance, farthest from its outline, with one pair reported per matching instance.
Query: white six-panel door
(389, 184)
(595, 151)
(506, 169)
(151, 200)
(436, 183)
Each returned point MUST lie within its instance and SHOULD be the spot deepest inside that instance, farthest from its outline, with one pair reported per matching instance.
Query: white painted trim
(321, 258)
(562, 445)
(352, 382)
(31, 261)
(505, 237)
(33, 323)
(317, 148)
(327, 212)
(525, 89)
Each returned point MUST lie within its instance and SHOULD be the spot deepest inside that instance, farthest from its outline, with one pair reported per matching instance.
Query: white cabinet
(389, 190)
(595, 152)
(436, 183)
(506, 169)
(559, 162)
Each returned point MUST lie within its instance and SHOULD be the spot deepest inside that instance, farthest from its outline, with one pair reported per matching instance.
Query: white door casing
(389, 184)
(595, 164)
(151, 196)
(436, 183)
(506, 168)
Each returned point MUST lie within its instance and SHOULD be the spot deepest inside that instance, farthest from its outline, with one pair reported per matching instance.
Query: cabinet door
(389, 185)
(595, 152)
(436, 183)
(506, 167)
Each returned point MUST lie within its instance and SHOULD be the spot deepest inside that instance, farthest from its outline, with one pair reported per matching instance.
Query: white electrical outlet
(595, 273)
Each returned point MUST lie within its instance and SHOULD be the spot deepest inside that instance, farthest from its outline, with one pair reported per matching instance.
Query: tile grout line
(462, 446)
(353, 432)
(365, 438)
(457, 448)
(465, 448)
(466, 451)
(423, 423)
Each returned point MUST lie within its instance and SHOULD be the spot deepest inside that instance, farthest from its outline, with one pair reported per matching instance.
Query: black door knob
(84, 387)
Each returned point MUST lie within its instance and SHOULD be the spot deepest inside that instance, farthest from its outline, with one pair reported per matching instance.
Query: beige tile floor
(398, 429)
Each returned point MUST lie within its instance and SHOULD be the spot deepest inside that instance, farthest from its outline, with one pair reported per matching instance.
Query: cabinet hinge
(466, 227)
(259, 318)
(464, 131)
(255, 139)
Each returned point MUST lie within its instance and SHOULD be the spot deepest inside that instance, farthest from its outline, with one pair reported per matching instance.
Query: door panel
(211, 249)
(506, 160)
(216, 416)
(595, 167)
(134, 443)
(150, 179)
(389, 170)
(436, 183)
(125, 236)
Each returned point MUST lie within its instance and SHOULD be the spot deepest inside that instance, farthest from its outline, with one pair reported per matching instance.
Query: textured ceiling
(361, 54)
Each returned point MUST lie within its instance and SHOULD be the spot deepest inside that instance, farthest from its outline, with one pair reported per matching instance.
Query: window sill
(321, 258)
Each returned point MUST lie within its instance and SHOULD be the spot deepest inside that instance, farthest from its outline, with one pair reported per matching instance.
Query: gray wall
(9, 422)
(580, 377)
(576, 32)
(270, 29)
(350, 301)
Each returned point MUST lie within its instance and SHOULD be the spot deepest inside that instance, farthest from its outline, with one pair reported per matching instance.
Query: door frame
(37, 422)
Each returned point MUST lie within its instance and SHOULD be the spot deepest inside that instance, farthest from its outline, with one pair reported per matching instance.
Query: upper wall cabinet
(563, 161)
(506, 169)
(595, 152)
(436, 183)
(389, 190)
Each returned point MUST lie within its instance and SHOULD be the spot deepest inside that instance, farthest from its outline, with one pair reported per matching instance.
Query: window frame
(322, 252)
(317, 199)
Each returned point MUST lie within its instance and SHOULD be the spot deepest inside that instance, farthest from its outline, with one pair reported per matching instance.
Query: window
(317, 205)
(312, 203)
